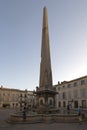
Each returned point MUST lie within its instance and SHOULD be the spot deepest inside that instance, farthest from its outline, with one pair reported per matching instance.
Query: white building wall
(69, 93)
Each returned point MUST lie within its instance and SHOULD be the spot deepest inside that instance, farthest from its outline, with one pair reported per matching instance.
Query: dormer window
(82, 82)
(69, 85)
(75, 84)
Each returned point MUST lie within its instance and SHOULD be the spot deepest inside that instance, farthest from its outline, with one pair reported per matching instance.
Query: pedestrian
(68, 108)
(79, 111)
(24, 114)
(80, 116)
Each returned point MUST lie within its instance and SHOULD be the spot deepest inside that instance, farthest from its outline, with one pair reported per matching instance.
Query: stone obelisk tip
(45, 17)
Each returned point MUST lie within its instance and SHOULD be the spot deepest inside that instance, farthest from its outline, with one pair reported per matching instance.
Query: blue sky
(20, 41)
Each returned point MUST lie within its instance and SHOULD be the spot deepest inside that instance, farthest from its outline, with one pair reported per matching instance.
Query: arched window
(59, 104)
(41, 102)
(50, 102)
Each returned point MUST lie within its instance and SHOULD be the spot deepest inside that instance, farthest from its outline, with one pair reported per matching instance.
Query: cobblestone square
(5, 113)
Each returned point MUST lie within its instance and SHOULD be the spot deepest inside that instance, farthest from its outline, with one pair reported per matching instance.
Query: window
(83, 103)
(3, 94)
(25, 95)
(69, 95)
(64, 95)
(75, 84)
(83, 93)
(16, 104)
(64, 104)
(58, 88)
(41, 102)
(75, 94)
(59, 96)
(20, 95)
(59, 104)
(82, 82)
(76, 104)
(69, 85)
(50, 102)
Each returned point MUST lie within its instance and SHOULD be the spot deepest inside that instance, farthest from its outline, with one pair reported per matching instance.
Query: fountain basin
(44, 118)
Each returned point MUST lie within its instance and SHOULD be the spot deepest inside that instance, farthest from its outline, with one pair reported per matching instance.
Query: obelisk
(45, 93)
(45, 65)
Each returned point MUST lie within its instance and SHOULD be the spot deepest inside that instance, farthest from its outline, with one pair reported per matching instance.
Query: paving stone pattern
(4, 115)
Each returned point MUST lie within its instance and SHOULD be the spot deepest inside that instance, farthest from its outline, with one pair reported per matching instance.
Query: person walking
(80, 116)
(68, 109)
(79, 111)
(24, 114)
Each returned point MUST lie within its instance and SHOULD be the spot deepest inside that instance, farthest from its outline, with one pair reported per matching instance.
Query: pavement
(5, 114)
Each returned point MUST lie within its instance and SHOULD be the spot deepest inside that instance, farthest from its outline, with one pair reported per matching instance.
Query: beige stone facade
(72, 92)
(12, 98)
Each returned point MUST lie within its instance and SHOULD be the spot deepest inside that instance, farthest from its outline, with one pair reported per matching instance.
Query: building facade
(72, 92)
(15, 98)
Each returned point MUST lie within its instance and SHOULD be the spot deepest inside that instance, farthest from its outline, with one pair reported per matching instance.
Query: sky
(21, 35)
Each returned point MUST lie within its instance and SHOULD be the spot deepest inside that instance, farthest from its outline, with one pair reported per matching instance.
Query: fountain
(42, 114)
